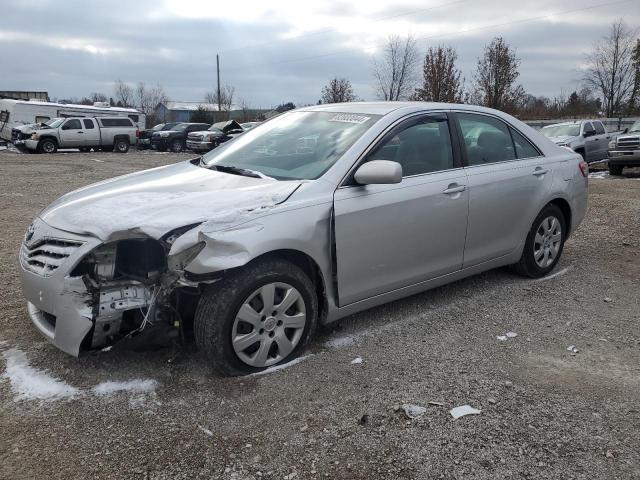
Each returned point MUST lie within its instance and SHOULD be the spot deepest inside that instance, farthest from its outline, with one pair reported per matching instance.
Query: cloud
(281, 51)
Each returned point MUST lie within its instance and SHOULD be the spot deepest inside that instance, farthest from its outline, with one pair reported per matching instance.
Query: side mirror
(379, 172)
(626, 130)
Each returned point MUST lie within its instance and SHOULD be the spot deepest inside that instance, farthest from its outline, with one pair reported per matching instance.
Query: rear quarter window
(116, 122)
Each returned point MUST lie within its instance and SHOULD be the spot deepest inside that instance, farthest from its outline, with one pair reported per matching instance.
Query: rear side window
(420, 146)
(486, 139)
(88, 124)
(135, 118)
(599, 127)
(116, 122)
(524, 148)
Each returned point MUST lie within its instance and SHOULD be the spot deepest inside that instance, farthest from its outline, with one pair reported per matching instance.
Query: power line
(485, 27)
(328, 30)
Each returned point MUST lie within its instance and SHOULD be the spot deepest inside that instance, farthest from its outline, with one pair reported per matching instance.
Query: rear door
(72, 134)
(392, 236)
(508, 179)
(91, 133)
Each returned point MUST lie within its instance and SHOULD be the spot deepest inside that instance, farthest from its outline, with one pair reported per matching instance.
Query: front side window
(486, 139)
(72, 125)
(293, 146)
(421, 146)
(588, 128)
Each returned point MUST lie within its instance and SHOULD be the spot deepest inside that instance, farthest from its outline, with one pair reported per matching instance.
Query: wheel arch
(565, 208)
(49, 137)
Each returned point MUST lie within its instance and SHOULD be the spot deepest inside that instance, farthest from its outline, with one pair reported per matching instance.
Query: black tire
(121, 145)
(527, 265)
(220, 302)
(85, 149)
(615, 169)
(47, 145)
(177, 146)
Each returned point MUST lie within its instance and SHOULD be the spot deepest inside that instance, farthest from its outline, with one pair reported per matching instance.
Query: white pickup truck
(84, 133)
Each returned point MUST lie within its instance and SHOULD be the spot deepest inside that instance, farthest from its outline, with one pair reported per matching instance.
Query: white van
(18, 113)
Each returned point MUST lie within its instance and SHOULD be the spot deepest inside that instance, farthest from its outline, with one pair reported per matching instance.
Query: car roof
(386, 107)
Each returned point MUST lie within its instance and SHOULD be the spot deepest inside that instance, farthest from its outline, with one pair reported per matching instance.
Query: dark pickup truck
(144, 141)
(175, 138)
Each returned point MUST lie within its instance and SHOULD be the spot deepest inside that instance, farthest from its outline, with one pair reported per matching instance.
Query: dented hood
(154, 202)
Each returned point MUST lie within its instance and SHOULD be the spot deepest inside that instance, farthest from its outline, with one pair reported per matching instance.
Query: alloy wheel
(547, 242)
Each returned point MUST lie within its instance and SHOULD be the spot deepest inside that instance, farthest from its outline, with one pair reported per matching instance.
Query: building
(18, 95)
(182, 111)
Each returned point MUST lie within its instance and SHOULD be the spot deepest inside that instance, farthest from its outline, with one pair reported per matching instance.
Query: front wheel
(257, 317)
(176, 146)
(544, 243)
(47, 146)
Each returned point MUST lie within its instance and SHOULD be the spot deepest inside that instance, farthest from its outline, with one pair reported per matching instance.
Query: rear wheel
(257, 317)
(544, 244)
(176, 146)
(121, 145)
(615, 169)
(47, 145)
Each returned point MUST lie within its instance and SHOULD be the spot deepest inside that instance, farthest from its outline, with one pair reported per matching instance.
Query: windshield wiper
(236, 171)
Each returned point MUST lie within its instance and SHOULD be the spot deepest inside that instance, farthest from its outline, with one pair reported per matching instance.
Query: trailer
(17, 113)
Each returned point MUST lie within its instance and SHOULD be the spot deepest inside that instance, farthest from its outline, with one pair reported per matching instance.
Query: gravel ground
(546, 413)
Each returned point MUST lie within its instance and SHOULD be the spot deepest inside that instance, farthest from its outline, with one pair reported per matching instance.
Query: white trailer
(15, 113)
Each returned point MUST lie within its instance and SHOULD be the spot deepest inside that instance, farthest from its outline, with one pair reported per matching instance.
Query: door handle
(80, 132)
(455, 188)
(540, 171)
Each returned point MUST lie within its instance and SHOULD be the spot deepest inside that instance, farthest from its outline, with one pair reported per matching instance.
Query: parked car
(216, 134)
(589, 138)
(246, 126)
(624, 151)
(106, 133)
(175, 138)
(253, 247)
(144, 142)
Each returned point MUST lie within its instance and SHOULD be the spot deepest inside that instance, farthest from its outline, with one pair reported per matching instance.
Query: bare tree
(337, 90)
(226, 97)
(495, 79)
(441, 79)
(395, 72)
(610, 70)
(123, 93)
(635, 91)
(148, 98)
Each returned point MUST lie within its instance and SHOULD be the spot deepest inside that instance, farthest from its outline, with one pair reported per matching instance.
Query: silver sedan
(309, 217)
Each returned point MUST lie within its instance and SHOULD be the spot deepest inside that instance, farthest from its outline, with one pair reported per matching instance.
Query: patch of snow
(29, 383)
(502, 338)
(511, 334)
(463, 410)
(559, 273)
(277, 368)
(131, 386)
(340, 342)
(356, 361)
(206, 431)
(413, 411)
(599, 175)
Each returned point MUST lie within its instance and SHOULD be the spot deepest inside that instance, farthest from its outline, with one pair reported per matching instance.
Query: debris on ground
(206, 431)
(436, 404)
(506, 336)
(356, 361)
(511, 334)
(413, 411)
(608, 300)
(572, 349)
(463, 410)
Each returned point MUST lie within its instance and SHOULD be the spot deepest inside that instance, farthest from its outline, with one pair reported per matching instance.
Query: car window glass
(88, 124)
(587, 127)
(420, 148)
(72, 125)
(524, 148)
(599, 127)
(486, 139)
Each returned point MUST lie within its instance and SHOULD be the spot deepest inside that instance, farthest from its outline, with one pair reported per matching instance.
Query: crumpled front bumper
(59, 305)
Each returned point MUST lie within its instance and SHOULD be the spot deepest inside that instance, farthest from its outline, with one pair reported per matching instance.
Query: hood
(154, 202)
(227, 126)
(29, 128)
(562, 139)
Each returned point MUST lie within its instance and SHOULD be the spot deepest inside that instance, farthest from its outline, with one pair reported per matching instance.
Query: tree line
(610, 83)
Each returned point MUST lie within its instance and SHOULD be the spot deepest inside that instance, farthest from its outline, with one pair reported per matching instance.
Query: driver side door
(71, 134)
(392, 236)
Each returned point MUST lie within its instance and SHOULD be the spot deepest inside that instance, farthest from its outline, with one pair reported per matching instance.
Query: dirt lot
(546, 413)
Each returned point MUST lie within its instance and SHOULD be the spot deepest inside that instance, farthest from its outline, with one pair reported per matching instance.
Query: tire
(85, 149)
(217, 318)
(47, 145)
(177, 146)
(615, 169)
(543, 230)
(121, 145)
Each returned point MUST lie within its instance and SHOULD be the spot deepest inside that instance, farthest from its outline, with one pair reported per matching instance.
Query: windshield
(293, 146)
(214, 129)
(168, 126)
(179, 128)
(160, 126)
(54, 122)
(566, 130)
(635, 127)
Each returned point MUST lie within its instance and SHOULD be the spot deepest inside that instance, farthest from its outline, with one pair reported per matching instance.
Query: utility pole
(218, 69)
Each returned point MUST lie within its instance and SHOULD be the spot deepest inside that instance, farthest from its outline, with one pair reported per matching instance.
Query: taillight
(584, 168)
(137, 133)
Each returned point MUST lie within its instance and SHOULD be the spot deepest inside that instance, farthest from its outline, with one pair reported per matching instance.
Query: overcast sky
(276, 51)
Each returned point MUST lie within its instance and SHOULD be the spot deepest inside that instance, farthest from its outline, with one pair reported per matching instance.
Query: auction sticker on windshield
(349, 118)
